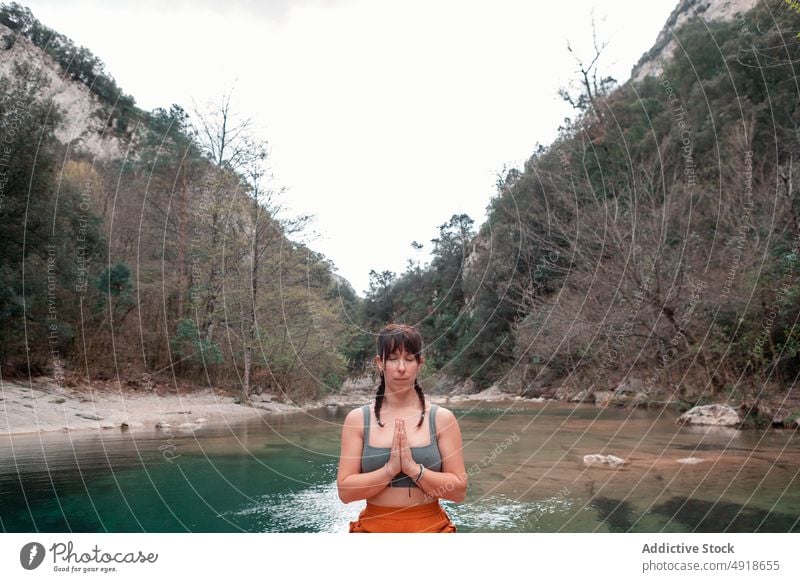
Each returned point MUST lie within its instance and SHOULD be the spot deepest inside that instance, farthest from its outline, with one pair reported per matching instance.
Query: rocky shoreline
(45, 406)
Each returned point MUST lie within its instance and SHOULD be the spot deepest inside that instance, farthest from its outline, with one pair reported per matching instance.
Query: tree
(241, 157)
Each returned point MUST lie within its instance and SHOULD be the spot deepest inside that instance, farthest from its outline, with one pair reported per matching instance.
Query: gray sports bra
(373, 458)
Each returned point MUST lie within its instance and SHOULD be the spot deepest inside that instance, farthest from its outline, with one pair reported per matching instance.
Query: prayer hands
(407, 463)
(395, 464)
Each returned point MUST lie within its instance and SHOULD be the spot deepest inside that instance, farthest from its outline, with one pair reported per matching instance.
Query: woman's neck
(402, 400)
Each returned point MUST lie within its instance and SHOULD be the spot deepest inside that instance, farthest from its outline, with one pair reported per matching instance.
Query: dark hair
(394, 337)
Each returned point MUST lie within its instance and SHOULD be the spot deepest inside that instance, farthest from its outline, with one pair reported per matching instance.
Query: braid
(379, 399)
(418, 388)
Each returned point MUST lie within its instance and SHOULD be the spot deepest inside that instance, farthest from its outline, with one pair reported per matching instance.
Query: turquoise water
(525, 462)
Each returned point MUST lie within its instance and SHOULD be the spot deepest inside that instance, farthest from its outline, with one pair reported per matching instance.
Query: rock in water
(598, 459)
(691, 461)
(131, 424)
(614, 461)
(710, 414)
(592, 459)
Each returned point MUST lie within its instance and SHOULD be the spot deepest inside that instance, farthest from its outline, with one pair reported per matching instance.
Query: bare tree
(232, 144)
(593, 86)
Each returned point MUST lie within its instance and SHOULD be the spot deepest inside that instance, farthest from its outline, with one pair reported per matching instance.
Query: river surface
(525, 461)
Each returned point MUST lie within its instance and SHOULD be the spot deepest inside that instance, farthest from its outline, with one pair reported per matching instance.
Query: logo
(31, 555)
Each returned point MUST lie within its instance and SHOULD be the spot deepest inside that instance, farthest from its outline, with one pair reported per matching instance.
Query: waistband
(410, 512)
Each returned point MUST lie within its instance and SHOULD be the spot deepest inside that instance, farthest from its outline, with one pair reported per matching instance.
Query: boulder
(540, 391)
(778, 416)
(366, 383)
(631, 392)
(603, 398)
(491, 394)
(711, 414)
(628, 387)
(465, 388)
(568, 392)
(583, 396)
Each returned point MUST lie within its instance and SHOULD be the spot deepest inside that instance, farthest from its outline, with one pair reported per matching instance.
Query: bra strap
(367, 413)
(432, 415)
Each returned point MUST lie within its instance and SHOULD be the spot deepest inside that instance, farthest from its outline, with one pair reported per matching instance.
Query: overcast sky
(383, 118)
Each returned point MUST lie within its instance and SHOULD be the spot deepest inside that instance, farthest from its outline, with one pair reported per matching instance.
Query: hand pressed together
(400, 457)
(407, 463)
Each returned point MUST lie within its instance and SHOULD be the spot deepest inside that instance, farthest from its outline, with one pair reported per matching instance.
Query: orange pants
(425, 518)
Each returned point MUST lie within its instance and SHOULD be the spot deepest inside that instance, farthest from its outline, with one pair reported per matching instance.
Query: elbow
(345, 495)
(456, 492)
(459, 494)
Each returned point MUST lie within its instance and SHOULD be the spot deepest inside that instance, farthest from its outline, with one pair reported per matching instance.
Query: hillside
(648, 255)
(137, 250)
(686, 12)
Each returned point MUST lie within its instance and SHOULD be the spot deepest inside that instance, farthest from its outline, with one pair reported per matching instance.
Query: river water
(525, 460)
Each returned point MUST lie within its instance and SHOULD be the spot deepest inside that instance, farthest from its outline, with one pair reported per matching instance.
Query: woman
(400, 453)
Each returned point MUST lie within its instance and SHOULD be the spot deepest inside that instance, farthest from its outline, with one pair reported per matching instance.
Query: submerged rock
(131, 424)
(710, 414)
(88, 416)
(598, 459)
(690, 461)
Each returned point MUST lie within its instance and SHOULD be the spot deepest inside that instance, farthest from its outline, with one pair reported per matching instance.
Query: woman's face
(400, 366)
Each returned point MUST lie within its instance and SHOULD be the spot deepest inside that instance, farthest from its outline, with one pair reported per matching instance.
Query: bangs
(396, 337)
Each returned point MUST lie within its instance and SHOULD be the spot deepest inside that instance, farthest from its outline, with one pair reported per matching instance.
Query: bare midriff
(398, 497)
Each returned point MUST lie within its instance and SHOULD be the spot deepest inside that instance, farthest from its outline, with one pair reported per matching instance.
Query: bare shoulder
(355, 417)
(444, 417)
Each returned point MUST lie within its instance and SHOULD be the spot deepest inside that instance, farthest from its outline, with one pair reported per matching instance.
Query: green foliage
(45, 235)
(188, 347)
(115, 280)
(333, 381)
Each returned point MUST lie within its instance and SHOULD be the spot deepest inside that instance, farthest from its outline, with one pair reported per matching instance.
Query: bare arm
(451, 481)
